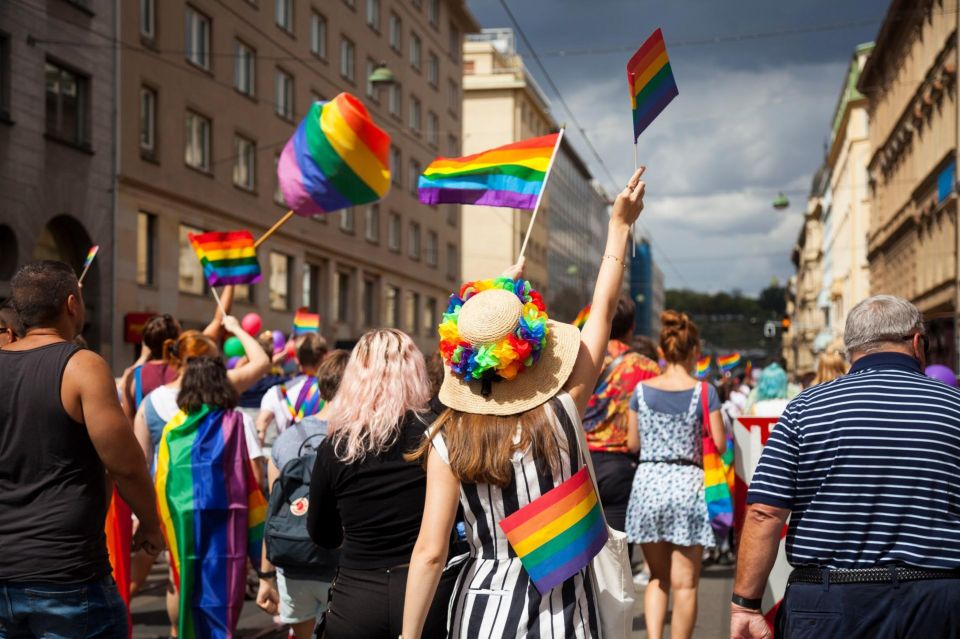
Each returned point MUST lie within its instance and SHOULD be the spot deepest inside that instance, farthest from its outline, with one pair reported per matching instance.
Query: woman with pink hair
(365, 498)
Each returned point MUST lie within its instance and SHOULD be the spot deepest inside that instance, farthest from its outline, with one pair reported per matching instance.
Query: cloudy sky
(759, 82)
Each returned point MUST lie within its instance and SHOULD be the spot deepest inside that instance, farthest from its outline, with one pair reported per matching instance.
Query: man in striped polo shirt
(867, 469)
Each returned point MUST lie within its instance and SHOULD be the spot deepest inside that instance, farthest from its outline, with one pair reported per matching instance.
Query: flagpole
(273, 229)
(216, 296)
(543, 189)
(633, 230)
(84, 273)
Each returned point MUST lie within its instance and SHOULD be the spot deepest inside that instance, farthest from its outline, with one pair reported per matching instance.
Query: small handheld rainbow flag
(512, 175)
(92, 253)
(337, 158)
(651, 82)
(581, 319)
(306, 322)
(703, 367)
(556, 535)
(227, 258)
(729, 362)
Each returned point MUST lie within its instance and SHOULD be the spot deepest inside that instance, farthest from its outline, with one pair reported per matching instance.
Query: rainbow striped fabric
(337, 158)
(511, 175)
(703, 367)
(213, 513)
(729, 362)
(92, 253)
(581, 319)
(651, 82)
(306, 322)
(556, 535)
(227, 257)
(308, 400)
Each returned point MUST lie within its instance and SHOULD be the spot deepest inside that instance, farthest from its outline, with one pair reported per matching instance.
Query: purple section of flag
(598, 537)
(235, 459)
(480, 197)
(654, 106)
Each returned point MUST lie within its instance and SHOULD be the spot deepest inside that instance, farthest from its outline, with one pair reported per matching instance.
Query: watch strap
(743, 602)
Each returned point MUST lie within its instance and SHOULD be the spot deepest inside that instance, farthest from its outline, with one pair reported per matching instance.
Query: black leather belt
(675, 462)
(884, 574)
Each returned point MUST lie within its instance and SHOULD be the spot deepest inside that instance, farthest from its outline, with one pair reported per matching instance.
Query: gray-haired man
(867, 468)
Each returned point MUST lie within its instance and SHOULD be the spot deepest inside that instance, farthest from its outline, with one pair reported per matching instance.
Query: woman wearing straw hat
(516, 385)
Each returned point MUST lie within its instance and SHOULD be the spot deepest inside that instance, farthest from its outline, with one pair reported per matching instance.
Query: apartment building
(211, 90)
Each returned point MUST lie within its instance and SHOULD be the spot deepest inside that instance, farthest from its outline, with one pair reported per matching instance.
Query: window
(415, 48)
(430, 318)
(310, 289)
(391, 310)
(284, 15)
(368, 302)
(433, 129)
(453, 148)
(396, 31)
(198, 38)
(146, 247)
(373, 14)
(347, 62)
(371, 87)
(244, 164)
(412, 312)
(67, 105)
(413, 241)
(453, 97)
(414, 114)
(414, 176)
(347, 222)
(318, 35)
(454, 43)
(280, 274)
(452, 266)
(433, 12)
(190, 272)
(244, 68)
(372, 223)
(396, 166)
(277, 191)
(394, 100)
(148, 19)
(342, 312)
(452, 215)
(393, 232)
(197, 147)
(432, 249)
(284, 89)
(433, 69)
(148, 121)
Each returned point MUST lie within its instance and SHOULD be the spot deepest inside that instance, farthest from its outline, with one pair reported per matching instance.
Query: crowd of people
(379, 492)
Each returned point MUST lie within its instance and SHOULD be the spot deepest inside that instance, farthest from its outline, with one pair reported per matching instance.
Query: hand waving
(629, 202)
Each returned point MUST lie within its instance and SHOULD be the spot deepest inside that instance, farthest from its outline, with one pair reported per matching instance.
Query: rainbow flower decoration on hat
(506, 358)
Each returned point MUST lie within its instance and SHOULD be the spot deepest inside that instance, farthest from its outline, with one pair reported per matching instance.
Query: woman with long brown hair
(516, 384)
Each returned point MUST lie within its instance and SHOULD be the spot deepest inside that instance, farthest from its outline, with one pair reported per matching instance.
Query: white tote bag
(610, 570)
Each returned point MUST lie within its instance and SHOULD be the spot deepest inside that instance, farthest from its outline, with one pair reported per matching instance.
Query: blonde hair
(384, 380)
(830, 366)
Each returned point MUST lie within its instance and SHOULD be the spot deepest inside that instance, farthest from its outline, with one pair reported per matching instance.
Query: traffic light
(785, 324)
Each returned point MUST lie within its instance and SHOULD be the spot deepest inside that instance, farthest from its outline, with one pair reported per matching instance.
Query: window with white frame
(433, 12)
(430, 319)
(347, 221)
(244, 163)
(396, 165)
(277, 191)
(347, 60)
(414, 114)
(146, 248)
(412, 313)
(433, 69)
(373, 14)
(284, 15)
(67, 104)
(197, 38)
(148, 120)
(342, 297)
(284, 95)
(244, 68)
(391, 306)
(318, 35)
(414, 176)
(189, 270)
(372, 223)
(368, 304)
(433, 129)
(281, 275)
(148, 19)
(396, 32)
(197, 147)
(415, 50)
(431, 249)
(454, 42)
(394, 100)
(413, 241)
(393, 232)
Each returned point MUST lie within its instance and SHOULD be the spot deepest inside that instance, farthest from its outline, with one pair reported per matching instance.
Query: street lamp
(381, 76)
(780, 202)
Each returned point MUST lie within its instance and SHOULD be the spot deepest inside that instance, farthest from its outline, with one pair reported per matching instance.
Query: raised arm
(596, 333)
(258, 362)
(215, 328)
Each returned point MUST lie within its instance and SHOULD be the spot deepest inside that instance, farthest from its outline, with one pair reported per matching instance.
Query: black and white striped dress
(494, 596)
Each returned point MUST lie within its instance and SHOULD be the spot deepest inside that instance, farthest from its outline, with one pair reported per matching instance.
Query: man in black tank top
(61, 431)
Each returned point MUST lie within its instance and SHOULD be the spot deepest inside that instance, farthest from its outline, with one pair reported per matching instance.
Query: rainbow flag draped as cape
(556, 535)
(212, 514)
(651, 82)
(306, 322)
(511, 175)
(729, 362)
(227, 258)
(337, 158)
(703, 367)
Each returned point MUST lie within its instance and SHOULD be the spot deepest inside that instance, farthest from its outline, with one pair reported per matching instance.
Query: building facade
(210, 93)
(808, 319)
(502, 104)
(910, 84)
(58, 145)
(647, 290)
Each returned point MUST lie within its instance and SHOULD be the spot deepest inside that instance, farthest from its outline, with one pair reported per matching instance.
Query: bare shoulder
(86, 369)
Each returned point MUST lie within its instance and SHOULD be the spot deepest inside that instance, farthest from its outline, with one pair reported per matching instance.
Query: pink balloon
(251, 323)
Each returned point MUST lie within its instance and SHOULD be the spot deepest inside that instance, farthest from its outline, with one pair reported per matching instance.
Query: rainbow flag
(581, 319)
(729, 362)
(703, 367)
(92, 253)
(556, 535)
(308, 401)
(227, 258)
(511, 175)
(213, 513)
(651, 82)
(118, 528)
(337, 158)
(306, 322)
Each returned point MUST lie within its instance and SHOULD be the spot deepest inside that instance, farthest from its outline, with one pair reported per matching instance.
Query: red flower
(537, 301)
(522, 347)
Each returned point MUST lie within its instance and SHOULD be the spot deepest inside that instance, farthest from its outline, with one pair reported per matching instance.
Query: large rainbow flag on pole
(213, 513)
(556, 535)
(512, 175)
(337, 158)
(651, 82)
(227, 258)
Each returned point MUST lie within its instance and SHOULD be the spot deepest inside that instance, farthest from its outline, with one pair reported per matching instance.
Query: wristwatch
(743, 602)
(266, 574)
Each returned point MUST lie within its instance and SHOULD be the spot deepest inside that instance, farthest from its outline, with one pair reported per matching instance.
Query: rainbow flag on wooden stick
(651, 82)
(512, 175)
(557, 535)
(703, 367)
(227, 258)
(213, 514)
(729, 362)
(306, 322)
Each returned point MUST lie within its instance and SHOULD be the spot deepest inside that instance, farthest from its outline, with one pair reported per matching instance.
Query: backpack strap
(305, 441)
(138, 386)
